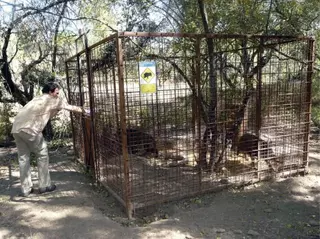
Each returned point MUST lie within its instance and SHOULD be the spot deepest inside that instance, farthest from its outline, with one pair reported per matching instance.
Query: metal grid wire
(238, 115)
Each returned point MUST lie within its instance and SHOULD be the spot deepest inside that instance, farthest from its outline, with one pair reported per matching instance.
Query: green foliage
(38, 77)
(33, 160)
(315, 115)
(240, 16)
(295, 17)
(316, 87)
(59, 143)
(315, 111)
(98, 18)
(61, 127)
(5, 124)
(38, 36)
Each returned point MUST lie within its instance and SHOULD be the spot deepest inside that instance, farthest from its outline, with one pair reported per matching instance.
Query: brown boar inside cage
(195, 120)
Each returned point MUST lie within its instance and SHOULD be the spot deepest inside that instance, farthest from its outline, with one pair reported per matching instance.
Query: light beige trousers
(27, 143)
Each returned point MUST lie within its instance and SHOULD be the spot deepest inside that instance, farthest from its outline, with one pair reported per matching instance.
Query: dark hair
(49, 87)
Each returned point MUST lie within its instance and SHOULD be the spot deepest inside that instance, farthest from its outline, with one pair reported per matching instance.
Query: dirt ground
(282, 208)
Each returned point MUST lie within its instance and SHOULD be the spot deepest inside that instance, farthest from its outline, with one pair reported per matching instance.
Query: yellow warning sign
(147, 75)
(148, 88)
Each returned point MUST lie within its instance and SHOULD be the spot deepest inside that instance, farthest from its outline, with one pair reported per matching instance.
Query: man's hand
(86, 112)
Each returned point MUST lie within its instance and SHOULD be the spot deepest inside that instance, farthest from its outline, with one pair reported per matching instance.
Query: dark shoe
(26, 194)
(47, 189)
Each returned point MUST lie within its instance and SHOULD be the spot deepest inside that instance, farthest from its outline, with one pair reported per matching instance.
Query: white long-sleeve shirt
(34, 116)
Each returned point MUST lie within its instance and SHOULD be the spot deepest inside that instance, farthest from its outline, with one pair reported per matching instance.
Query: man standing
(27, 130)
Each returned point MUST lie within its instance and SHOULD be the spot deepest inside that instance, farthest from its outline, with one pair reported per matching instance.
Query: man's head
(51, 88)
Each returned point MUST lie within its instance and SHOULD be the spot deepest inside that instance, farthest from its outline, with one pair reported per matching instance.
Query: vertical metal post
(116, 110)
(69, 98)
(81, 103)
(79, 80)
(194, 102)
(311, 53)
(259, 101)
(92, 136)
(197, 89)
(127, 186)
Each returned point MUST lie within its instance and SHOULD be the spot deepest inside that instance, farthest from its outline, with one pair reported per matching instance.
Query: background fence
(171, 119)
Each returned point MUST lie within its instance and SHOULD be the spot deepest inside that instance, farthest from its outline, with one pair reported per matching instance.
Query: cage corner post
(69, 98)
(127, 185)
(258, 105)
(310, 59)
(89, 121)
(81, 99)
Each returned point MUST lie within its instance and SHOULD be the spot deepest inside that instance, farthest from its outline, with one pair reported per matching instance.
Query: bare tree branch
(8, 83)
(55, 40)
(34, 11)
(268, 19)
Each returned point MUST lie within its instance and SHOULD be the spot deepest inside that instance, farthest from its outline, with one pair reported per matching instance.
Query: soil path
(283, 208)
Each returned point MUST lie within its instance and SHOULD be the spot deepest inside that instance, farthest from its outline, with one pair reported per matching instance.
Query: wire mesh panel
(175, 115)
(76, 97)
(107, 117)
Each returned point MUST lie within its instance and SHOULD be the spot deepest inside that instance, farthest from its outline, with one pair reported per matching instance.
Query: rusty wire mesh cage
(238, 113)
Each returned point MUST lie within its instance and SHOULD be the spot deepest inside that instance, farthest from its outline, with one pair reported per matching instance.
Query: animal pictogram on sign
(147, 75)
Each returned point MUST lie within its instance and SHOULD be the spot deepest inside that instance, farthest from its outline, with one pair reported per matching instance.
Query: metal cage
(172, 119)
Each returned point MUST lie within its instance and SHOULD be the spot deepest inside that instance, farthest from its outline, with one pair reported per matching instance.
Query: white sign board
(148, 77)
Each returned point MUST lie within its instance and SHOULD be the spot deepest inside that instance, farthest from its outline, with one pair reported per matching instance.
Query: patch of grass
(59, 143)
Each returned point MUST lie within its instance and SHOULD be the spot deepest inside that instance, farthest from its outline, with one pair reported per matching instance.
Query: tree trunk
(210, 135)
(55, 40)
(249, 73)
